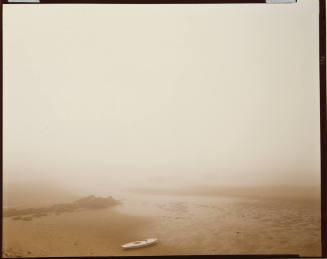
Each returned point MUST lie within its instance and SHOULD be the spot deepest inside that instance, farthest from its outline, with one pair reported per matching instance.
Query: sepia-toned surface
(202, 121)
(184, 224)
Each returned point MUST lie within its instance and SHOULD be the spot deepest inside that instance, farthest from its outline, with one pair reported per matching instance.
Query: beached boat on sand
(141, 243)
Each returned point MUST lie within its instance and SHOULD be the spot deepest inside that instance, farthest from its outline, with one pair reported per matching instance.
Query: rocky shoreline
(89, 202)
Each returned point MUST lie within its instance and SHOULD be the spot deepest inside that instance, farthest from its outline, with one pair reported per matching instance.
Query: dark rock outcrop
(89, 202)
(92, 202)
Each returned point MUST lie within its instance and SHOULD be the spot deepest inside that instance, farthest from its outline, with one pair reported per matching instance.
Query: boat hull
(140, 244)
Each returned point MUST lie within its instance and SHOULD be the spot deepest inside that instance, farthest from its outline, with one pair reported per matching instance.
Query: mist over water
(201, 122)
(162, 101)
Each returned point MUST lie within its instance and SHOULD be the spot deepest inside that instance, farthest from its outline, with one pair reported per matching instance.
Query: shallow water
(229, 225)
(184, 224)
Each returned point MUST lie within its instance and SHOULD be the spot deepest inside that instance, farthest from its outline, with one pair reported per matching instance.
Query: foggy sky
(96, 95)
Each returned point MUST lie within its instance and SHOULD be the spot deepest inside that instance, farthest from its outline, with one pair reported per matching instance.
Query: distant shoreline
(273, 192)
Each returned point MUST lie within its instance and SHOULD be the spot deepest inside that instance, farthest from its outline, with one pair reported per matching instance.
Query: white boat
(141, 243)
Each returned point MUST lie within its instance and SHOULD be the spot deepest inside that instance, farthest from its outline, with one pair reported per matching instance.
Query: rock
(27, 218)
(38, 215)
(92, 202)
(21, 212)
(89, 202)
(63, 207)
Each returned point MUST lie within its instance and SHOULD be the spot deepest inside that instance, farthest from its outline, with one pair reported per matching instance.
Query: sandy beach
(83, 233)
(234, 225)
(196, 124)
(184, 224)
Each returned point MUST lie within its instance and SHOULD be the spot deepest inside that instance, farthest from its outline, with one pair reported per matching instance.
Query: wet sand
(83, 233)
(184, 224)
(233, 225)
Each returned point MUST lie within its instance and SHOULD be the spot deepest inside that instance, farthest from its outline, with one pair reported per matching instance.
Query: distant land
(276, 191)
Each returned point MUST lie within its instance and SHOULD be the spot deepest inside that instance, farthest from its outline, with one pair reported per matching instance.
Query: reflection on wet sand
(184, 224)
